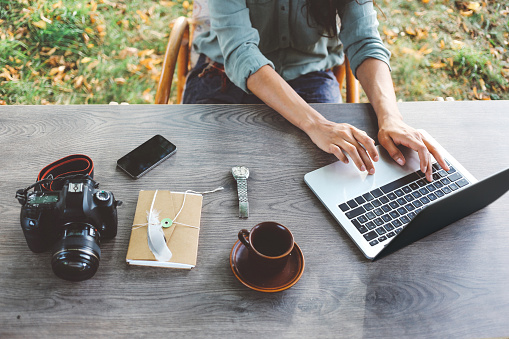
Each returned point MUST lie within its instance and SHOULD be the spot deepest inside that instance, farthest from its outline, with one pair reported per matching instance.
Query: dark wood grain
(450, 284)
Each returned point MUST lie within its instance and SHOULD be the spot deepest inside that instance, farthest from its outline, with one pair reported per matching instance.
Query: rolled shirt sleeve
(359, 35)
(237, 39)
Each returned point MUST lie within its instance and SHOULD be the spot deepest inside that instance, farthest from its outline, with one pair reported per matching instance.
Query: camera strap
(70, 165)
(51, 177)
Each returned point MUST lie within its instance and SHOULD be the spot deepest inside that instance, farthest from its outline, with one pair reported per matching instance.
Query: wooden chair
(178, 55)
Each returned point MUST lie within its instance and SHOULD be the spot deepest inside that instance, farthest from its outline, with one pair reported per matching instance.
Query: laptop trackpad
(341, 182)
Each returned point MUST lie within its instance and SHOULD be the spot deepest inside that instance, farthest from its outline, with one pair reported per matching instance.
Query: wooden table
(453, 283)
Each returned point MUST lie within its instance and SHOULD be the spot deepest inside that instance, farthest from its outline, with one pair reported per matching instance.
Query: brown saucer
(259, 281)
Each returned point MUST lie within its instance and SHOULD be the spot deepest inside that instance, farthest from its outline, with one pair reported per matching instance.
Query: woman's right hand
(341, 139)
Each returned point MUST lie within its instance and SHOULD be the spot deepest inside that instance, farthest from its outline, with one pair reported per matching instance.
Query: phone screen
(146, 156)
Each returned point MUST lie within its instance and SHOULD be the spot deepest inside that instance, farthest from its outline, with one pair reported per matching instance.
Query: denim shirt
(248, 34)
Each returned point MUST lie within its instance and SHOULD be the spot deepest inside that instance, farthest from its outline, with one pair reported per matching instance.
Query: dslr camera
(72, 221)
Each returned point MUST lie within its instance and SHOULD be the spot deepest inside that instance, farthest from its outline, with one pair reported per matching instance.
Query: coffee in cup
(269, 244)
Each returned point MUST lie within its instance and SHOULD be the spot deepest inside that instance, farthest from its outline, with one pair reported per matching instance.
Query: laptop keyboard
(382, 213)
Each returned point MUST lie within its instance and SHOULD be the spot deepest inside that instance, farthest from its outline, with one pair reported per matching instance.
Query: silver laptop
(377, 209)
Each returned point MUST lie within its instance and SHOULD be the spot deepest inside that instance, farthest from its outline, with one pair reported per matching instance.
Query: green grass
(97, 51)
(442, 49)
(82, 52)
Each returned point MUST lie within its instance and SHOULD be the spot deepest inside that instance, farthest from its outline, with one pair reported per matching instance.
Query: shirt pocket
(305, 34)
(264, 18)
(307, 39)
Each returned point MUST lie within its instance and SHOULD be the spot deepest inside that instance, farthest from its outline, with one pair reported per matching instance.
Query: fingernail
(372, 171)
(400, 161)
(375, 158)
(363, 168)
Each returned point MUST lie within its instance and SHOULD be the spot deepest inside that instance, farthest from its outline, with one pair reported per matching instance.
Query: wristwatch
(241, 173)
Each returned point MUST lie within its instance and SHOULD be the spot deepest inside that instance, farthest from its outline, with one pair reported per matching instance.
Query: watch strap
(242, 193)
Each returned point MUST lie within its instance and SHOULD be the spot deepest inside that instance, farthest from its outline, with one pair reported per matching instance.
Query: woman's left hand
(395, 131)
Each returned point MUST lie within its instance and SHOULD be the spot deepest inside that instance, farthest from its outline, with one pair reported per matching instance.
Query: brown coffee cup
(269, 244)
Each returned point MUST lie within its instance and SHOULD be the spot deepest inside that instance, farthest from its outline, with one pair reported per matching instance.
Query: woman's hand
(394, 132)
(375, 78)
(339, 139)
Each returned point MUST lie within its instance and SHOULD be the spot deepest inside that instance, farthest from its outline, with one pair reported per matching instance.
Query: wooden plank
(452, 283)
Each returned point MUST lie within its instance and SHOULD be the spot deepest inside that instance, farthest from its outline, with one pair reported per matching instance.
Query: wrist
(389, 116)
(310, 121)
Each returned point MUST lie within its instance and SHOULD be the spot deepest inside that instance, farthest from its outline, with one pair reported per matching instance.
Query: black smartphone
(146, 156)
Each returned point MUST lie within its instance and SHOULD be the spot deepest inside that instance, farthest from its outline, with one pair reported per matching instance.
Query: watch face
(240, 172)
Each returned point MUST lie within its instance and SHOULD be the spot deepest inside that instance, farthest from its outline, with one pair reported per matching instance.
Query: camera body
(46, 214)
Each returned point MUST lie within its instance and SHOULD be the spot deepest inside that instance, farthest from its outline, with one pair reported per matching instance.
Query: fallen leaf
(456, 44)
(93, 6)
(474, 6)
(78, 81)
(129, 51)
(56, 70)
(41, 24)
(437, 65)
(93, 64)
(389, 32)
(410, 31)
(143, 16)
(50, 52)
(425, 51)
(6, 75)
(147, 96)
(167, 3)
(85, 60)
(120, 81)
(482, 83)
(133, 68)
(43, 18)
(145, 53)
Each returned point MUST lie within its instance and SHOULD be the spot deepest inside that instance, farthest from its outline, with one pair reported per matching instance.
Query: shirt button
(282, 8)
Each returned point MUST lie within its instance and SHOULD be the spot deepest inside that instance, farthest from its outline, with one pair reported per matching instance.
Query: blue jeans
(208, 84)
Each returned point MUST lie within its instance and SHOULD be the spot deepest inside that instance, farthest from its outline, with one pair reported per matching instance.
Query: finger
(436, 154)
(366, 159)
(418, 145)
(354, 154)
(429, 174)
(391, 148)
(339, 153)
(367, 143)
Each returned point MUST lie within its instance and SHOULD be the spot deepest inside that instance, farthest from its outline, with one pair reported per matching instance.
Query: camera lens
(77, 253)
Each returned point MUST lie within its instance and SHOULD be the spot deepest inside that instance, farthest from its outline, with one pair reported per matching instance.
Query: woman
(281, 52)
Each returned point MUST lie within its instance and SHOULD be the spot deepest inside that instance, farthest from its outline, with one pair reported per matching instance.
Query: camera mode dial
(102, 195)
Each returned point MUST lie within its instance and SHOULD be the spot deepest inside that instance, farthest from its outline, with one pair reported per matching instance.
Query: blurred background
(95, 52)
